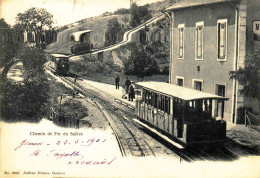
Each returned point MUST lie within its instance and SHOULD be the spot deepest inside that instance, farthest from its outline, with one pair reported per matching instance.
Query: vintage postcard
(130, 88)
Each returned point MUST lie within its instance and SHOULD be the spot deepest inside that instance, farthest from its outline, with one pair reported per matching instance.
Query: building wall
(212, 72)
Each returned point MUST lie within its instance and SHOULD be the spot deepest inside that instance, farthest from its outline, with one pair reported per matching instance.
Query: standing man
(131, 93)
(117, 80)
(127, 84)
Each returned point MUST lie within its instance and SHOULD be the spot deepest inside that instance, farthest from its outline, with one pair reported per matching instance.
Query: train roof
(77, 35)
(178, 91)
(59, 55)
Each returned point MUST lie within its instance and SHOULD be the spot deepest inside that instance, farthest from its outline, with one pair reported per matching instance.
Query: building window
(220, 105)
(197, 84)
(199, 40)
(180, 81)
(256, 30)
(181, 41)
(222, 39)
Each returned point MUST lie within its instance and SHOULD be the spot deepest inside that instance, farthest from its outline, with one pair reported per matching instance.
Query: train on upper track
(82, 42)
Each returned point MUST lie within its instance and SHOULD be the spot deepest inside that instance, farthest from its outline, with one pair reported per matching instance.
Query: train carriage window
(159, 102)
(155, 99)
(143, 96)
(221, 91)
(152, 98)
(176, 108)
(167, 105)
(146, 98)
(149, 98)
(162, 102)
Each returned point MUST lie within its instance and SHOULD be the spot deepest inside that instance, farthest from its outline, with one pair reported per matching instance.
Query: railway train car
(60, 63)
(82, 43)
(182, 114)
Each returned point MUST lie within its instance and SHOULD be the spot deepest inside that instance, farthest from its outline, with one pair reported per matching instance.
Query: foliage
(27, 100)
(87, 66)
(24, 101)
(3, 24)
(160, 25)
(139, 63)
(35, 19)
(165, 70)
(248, 76)
(33, 60)
(122, 11)
(159, 51)
(125, 20)
(139, 14)
(106, 14)
(113, 30)
(7, 53)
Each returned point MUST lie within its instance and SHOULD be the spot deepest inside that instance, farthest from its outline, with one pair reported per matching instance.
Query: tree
(3, 24)
(7, 55)
(139, 14)
(18, 27)
(122, 11)
(7, 50)
(33, 60)
(249, 76)
(125, 20)
(35, 19)
(114, 29)
(139, 63)
(28, 100)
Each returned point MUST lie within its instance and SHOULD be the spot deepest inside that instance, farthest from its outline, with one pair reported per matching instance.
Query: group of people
(129, 89)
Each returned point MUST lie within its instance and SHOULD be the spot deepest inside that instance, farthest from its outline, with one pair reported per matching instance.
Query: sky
(64, 11)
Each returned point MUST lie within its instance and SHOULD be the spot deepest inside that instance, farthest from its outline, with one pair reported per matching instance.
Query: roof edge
(171, 8)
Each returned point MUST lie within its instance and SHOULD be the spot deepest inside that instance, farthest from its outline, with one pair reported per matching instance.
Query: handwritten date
(80, 142)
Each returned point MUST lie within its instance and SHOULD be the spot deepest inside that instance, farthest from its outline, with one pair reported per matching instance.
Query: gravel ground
(245, 136)
(92, 118)
(95, 119)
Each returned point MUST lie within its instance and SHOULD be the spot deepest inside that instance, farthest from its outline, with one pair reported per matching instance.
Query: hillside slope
(98, 25)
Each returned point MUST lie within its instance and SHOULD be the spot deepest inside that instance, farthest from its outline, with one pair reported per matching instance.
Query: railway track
(130, 140)
(130, 134)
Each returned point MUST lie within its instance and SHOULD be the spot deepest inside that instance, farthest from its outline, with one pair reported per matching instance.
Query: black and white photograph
(130, 88)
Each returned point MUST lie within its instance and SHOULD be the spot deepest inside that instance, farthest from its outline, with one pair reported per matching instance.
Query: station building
(210, 38)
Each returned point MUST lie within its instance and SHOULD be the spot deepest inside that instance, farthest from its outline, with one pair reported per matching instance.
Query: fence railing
(63, 120)
(251, 120)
